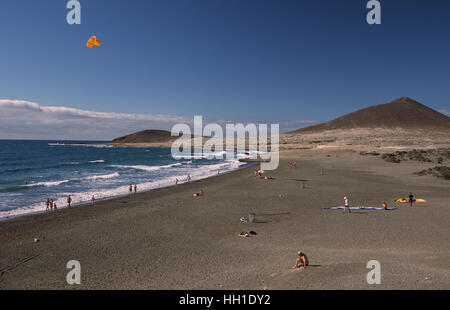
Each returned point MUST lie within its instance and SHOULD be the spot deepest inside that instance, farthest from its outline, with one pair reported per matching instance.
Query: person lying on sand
(247, 234)
(268, 177)
(200, 193)
(302, 261)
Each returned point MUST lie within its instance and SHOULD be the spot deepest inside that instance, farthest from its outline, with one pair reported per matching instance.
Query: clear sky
(289, 62)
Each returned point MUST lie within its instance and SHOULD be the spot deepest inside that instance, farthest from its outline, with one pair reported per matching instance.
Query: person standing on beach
(69, 201)
(51, 205)
(176, 181)
(346, 204)
(93, 200)
(188, 177)
(47, 202)
(130, 188)
(135, 188)
(54, 206)
(411, 199)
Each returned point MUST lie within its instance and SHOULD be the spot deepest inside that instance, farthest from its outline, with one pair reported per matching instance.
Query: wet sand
(168, 239)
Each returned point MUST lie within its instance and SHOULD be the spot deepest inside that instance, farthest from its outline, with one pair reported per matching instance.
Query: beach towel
(406, 200)
(357, 208)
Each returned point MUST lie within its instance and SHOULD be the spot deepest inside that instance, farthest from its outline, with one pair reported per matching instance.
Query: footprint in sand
(285, 272)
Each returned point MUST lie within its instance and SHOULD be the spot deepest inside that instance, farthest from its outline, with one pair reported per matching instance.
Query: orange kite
(93, 41)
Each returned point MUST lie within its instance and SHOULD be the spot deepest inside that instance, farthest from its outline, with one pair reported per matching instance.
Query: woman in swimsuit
(302, 261)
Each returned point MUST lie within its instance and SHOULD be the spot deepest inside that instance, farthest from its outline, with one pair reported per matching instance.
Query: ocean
(32, 171)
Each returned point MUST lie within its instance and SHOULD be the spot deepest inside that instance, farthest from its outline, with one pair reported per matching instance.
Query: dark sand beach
(168, 239)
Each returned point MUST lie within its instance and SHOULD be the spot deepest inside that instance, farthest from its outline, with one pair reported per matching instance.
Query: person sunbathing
(247, 234)
(302, 261)
(200, 193)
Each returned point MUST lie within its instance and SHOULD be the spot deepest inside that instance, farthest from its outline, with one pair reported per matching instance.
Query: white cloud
(20, 119)
(444, 111)
(295, 124)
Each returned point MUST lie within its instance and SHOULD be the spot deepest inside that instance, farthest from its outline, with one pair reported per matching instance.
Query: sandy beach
(168, 239)
(154, 119)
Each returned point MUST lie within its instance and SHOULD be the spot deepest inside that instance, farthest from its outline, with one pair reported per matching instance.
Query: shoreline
(87, 203)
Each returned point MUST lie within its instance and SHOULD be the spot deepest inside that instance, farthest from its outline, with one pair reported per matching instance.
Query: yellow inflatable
(406, 200)
(93, 41)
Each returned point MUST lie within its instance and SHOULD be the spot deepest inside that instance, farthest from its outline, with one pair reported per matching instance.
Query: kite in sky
(93, 41)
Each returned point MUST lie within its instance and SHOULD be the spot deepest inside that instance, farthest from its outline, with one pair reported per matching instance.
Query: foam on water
(104, 176)
(199, 172)
(56, 183)
(147, 168)
(50, 183)
(81, 144)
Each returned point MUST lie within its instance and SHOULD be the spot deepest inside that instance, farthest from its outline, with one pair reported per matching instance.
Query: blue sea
(32, 171)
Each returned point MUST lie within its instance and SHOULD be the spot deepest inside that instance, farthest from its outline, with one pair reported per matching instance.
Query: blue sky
(245, 61)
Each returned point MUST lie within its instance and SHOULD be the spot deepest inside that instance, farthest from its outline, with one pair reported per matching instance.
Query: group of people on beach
(51, 204)
(383, 205)
(131, 187)
(347, 205)
(188, 179)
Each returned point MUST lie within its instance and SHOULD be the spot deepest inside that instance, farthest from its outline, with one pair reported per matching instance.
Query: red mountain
(401, 113)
